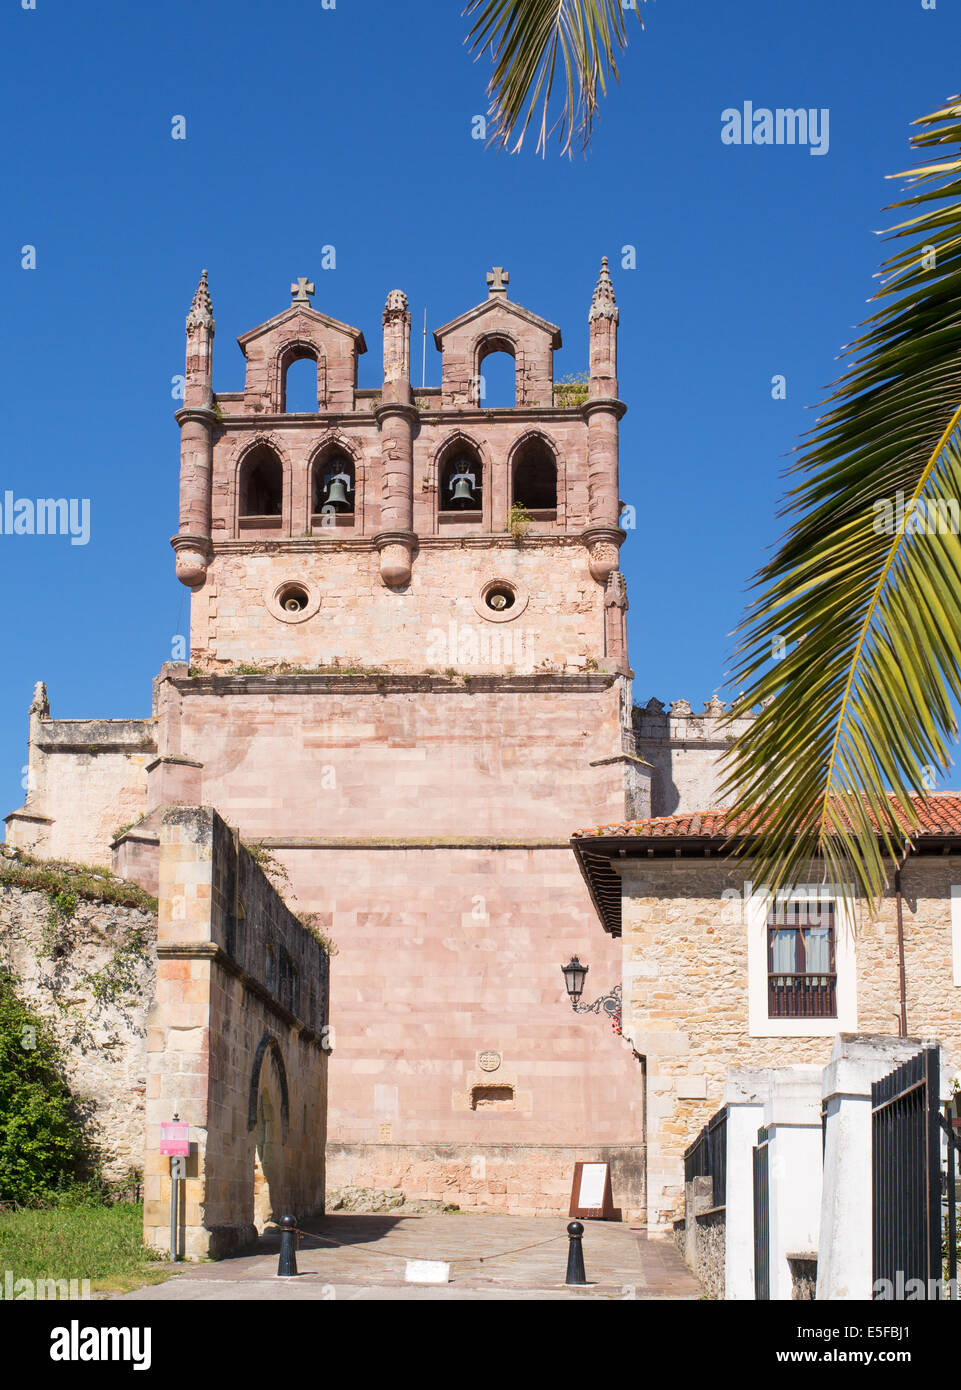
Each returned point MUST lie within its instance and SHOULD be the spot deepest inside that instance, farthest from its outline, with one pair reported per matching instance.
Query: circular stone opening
(500, 598)
(293, 599)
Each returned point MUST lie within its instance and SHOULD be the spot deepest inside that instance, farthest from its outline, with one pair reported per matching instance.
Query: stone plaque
(489, 1061)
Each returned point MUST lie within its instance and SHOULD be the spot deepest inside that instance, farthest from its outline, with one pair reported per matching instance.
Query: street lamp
(574, 977)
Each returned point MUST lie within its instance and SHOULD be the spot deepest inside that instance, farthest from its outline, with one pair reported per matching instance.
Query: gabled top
(302, 310)
(497, 301)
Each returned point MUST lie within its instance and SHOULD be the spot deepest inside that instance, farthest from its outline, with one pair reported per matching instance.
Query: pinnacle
(604, 305)
(201, 309)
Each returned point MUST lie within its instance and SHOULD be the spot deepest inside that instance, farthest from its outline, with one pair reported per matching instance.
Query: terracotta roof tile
(939, 814)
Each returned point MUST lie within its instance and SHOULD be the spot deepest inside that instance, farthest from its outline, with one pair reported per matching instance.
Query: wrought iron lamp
(574, 976)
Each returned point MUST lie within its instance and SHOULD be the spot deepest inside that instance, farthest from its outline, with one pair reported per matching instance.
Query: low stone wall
(87, 967)
(701, 1237)
(522, 1179)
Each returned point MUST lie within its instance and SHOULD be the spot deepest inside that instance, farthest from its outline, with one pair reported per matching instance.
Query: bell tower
(488, 537)
(409, 680)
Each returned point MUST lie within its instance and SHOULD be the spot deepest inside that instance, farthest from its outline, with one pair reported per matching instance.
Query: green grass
(99, 1243)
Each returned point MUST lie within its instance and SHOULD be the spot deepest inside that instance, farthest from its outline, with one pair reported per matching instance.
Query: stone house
(716, 974)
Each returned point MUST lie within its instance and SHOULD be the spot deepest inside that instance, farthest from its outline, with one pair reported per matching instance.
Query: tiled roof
(939, 814)
(939, 818)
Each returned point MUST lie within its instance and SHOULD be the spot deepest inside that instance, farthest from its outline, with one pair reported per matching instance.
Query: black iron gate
(906, 1178)
(762, 1219)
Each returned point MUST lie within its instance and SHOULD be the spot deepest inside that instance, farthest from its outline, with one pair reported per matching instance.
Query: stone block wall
(236, 1042)
(438, 622)
(522, 1179)
(89, 971)
(685, 962)
(86, 778)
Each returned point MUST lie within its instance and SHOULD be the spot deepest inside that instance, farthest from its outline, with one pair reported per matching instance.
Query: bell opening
(500, 598)
(294, 599)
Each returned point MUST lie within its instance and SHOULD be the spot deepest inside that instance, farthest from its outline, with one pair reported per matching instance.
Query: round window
(293, 599)
(500, 598)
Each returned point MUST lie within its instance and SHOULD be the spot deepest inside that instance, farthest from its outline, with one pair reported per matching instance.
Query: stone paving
(491, 1257)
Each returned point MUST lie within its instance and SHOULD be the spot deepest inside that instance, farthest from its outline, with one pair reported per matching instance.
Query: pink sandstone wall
(427, 827)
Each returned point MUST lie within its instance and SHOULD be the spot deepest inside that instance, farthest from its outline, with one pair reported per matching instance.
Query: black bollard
(575, 1255)
(287, 1263)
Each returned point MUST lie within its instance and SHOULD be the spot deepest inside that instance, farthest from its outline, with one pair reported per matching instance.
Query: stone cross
(497, 280)
(301, 290)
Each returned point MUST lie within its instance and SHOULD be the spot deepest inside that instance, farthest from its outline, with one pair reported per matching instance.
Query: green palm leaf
(537, 42)
(853, 643)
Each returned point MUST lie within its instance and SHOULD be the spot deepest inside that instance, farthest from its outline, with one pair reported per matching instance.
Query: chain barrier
(462, 1260)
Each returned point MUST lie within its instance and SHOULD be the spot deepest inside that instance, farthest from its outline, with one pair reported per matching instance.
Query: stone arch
(455, 447)
(246, 458)
(498, 340)
(534, 471)
(295, 350)
(269, 1044)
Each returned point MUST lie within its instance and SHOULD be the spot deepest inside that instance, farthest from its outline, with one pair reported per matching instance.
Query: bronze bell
(337, 493)
(462, 493)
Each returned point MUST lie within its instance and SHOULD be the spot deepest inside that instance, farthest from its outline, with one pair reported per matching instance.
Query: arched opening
(268, 1118)
(496, 387)
(300, 393)
(262, 485)
(461, 483)
(333, 487)
(266, 1162)
(535, 477)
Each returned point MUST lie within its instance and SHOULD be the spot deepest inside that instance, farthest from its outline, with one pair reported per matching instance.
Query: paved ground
(491, 1257)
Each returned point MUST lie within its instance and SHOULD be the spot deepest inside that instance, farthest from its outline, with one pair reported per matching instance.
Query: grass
(99, 1243)
(54, 877)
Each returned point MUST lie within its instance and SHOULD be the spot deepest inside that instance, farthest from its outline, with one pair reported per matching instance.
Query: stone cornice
(391, 683)
(433, 414)
(210, 950)
(610, 403)
(408, 842)
(306, 545)
(195, 412)
(404, 409)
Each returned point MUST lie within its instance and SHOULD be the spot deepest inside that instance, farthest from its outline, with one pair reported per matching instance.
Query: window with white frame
(802, 966)
(802, 960)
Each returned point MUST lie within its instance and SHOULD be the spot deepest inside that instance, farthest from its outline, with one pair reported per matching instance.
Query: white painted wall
(744, 1095)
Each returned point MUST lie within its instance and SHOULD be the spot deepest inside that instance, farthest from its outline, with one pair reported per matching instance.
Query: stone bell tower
(409, 679)
(517, 567)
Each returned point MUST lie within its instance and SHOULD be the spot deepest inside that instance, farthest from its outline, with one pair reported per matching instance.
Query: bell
(463, 494)
(337, 493)
(293, 605)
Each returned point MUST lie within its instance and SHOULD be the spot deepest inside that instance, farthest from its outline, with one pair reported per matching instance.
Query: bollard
(575, 1255)
(287, 1263)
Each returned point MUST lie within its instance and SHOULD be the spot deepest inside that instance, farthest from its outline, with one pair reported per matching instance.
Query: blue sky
(352, 127)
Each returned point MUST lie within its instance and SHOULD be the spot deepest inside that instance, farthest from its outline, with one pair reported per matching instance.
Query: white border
(760, 1025)
(956, 932)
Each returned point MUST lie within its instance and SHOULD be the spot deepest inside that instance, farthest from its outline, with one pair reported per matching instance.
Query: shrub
(43, 1150)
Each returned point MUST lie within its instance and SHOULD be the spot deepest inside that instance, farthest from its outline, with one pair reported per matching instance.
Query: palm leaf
(535, 43)
(852, 645)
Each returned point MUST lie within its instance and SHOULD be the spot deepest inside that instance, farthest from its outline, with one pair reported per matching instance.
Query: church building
(408, 682)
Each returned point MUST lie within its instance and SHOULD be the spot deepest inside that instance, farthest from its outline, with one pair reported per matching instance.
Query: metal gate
(906, 1177)
(762, 1219)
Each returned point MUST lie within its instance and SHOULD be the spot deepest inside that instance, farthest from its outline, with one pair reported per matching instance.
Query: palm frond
(852, 646)
(537, 43)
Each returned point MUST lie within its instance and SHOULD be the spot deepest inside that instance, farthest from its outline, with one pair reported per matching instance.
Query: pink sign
(174, 1140)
